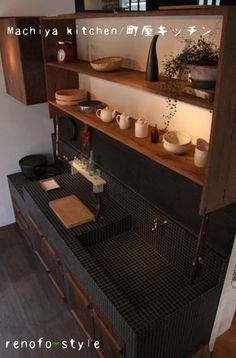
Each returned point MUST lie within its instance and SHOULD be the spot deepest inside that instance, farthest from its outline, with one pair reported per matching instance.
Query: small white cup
(200, 154)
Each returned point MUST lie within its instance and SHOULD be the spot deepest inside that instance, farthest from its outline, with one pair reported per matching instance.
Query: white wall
(23, 129)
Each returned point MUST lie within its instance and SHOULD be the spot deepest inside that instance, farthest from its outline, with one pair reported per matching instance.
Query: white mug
(200, 154)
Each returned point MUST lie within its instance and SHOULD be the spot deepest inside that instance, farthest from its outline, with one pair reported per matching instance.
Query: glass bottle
(91, 163)
(154, 135)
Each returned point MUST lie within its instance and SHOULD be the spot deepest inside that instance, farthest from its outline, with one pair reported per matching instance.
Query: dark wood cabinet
(22, 59)
(110, 344)
(94, 326)
(21, 223)
(48, 257)
(80, 306)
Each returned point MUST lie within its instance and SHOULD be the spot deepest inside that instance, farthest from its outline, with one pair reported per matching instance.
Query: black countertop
(140, 283)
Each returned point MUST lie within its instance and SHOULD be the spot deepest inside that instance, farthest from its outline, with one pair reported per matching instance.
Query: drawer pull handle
(77, 288)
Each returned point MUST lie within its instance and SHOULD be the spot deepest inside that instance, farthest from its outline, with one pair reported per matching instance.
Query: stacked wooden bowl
(70, 97)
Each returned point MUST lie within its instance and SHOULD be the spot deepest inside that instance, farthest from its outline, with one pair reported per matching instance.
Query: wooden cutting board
(71, 211)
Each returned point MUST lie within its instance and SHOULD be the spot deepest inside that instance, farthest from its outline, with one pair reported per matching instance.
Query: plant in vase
(199, 59)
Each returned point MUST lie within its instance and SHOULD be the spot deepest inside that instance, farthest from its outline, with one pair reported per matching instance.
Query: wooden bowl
(67, 103)
(76, 94)
(107, 64)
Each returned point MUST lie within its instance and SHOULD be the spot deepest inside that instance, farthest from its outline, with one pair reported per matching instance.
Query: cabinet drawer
(110, 345)
(48, 257)
(21, 222)
(80, 305)
(37, 233)
(53, 263)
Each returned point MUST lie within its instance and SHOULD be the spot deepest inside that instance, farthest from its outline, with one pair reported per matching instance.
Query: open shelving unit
(182, 164)
(218, 180)
(131, 78)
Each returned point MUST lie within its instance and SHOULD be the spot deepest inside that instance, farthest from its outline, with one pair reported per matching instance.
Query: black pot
(31, 165)
(48, 171)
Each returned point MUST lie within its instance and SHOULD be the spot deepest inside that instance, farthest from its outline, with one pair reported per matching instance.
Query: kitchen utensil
(123, 120)
(106, 114)
(47, 171)
(89, 106)
(141, 128)
(71, 211)
(31, 165)
(106, 64)
(176, 142)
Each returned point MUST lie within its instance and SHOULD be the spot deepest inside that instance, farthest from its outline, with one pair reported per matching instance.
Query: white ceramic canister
(200, 153)
(141, 128)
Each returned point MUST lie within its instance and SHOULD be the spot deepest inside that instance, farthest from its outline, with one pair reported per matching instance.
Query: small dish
(177, 142)
(90, 106)
(49, 184)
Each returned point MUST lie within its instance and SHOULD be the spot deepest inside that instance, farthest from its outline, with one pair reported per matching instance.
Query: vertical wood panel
(57, 79)
(10, 51)
(220, 184)
(22, 60)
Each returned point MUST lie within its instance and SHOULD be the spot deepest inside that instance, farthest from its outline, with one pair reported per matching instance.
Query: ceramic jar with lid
(141, 128)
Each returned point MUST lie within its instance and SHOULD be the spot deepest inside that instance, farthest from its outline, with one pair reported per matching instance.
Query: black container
(152, 70)
(32, 164)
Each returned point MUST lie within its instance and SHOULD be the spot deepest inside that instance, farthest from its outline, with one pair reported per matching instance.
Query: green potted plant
(200, 58)
(197, 62)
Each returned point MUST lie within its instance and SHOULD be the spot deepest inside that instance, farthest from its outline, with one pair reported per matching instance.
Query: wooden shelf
(182, 164)
(130, 78)
(188, 11)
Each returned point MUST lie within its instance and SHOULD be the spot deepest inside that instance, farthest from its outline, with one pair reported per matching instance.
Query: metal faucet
(157, 224)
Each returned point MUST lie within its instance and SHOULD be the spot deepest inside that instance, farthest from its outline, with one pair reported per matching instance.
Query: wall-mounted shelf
(197, 11)
(219, 181)
(130, 78)
(182, 164)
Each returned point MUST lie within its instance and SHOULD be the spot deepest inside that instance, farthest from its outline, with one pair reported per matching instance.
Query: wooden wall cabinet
(218, 181)
(22, 59)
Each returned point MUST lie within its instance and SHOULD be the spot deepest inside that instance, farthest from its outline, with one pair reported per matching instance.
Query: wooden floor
(30, 307)
(225, 346)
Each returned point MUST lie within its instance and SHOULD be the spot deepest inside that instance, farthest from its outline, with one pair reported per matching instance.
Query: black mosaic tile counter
(131, 273)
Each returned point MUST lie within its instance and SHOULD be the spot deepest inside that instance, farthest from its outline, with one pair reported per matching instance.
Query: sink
(135, 268)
